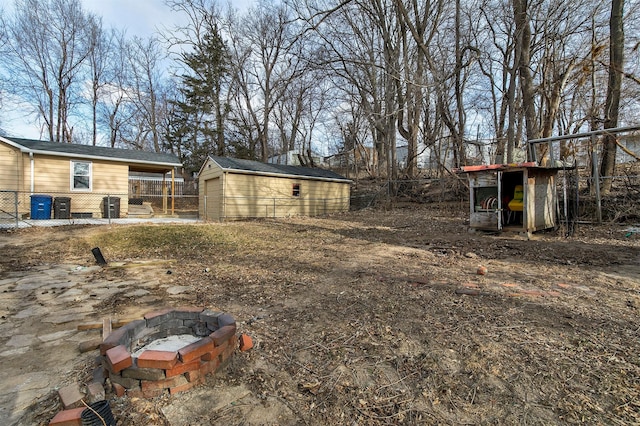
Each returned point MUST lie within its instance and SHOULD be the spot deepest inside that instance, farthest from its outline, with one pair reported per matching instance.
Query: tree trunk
(523, 52)
(616, 49)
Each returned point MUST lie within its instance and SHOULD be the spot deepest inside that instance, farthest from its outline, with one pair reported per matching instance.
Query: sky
(142, 17)
(138, 17)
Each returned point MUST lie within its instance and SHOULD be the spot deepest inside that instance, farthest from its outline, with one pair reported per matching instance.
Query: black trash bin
(111, 207)
(62, 208)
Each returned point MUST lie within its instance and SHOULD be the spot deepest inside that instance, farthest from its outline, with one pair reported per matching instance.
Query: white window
(81, 176)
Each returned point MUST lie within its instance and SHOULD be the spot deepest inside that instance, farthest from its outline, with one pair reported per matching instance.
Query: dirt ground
(373, 317)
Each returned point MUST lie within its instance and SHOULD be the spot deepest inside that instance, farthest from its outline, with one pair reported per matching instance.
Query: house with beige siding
(85, 175)
(232, 189)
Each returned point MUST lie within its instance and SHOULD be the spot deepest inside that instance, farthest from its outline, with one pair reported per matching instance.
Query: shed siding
(210, 187)
(235, 195)
(249, 195)
(545, 201)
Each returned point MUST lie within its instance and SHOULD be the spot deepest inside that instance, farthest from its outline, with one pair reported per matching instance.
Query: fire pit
(170, 350)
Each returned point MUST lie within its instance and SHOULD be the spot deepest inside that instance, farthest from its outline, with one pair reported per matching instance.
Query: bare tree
(100, 60)
(116, 107)
(145, 58)
(48, 46)
(262, 47)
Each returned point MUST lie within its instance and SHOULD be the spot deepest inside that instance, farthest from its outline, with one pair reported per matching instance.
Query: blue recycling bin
(40, 207)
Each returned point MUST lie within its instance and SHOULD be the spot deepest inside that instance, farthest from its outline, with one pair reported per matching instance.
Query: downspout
(32, 172)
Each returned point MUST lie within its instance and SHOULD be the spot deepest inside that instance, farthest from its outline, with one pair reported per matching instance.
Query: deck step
(143, 211)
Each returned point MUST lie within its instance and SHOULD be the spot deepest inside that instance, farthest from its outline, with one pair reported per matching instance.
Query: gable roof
(92, 152)
(281, 170)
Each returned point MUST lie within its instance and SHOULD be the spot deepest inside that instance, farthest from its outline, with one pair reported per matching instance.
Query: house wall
(52, 176)
(10, 164)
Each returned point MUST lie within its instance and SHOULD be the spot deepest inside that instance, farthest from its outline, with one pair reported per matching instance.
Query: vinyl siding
(210, 192)
(52, 176)
(247, 195)
(10, 164)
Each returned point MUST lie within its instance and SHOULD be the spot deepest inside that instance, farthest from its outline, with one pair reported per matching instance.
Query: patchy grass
(163, 241)
(357, 318)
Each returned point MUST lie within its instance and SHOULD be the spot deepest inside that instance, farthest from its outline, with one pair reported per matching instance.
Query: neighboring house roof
(92, 152)
(268, 169)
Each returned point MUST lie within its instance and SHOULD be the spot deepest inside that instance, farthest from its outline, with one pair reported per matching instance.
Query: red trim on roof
(497, 166)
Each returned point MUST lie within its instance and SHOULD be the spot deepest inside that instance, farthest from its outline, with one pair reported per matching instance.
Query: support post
(596, 179)
(15, 200)
(173, 192)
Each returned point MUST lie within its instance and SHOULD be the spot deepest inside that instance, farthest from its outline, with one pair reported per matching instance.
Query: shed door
(212, 192)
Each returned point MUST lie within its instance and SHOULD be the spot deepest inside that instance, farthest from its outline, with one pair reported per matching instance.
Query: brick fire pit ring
(148, 373)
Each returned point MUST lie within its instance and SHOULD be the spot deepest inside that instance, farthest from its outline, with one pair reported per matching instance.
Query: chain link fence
(234, 208)
(23, 209)
(578, 201)
(582, 203)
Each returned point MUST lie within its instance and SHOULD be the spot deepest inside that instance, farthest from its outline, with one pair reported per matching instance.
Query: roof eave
(27, 150)
(285, 175)
(272, 174)
(98, 157)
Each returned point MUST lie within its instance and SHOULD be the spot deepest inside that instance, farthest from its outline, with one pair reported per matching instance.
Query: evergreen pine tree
(197, 120)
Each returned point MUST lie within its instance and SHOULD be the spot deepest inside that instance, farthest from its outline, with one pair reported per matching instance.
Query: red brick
(209, 366)
(157, 359)
(118, 358)
(183, 367)
(70, 396)
(215, 353)
(246, 342)
(193, 376)
(163, 384)
(223, 334)
(118, 389)
(196, 350)
(71, 417)
(227, 352)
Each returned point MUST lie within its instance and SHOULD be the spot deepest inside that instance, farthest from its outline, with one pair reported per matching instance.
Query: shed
(233, 189)
(518, 197)
(82, 174)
